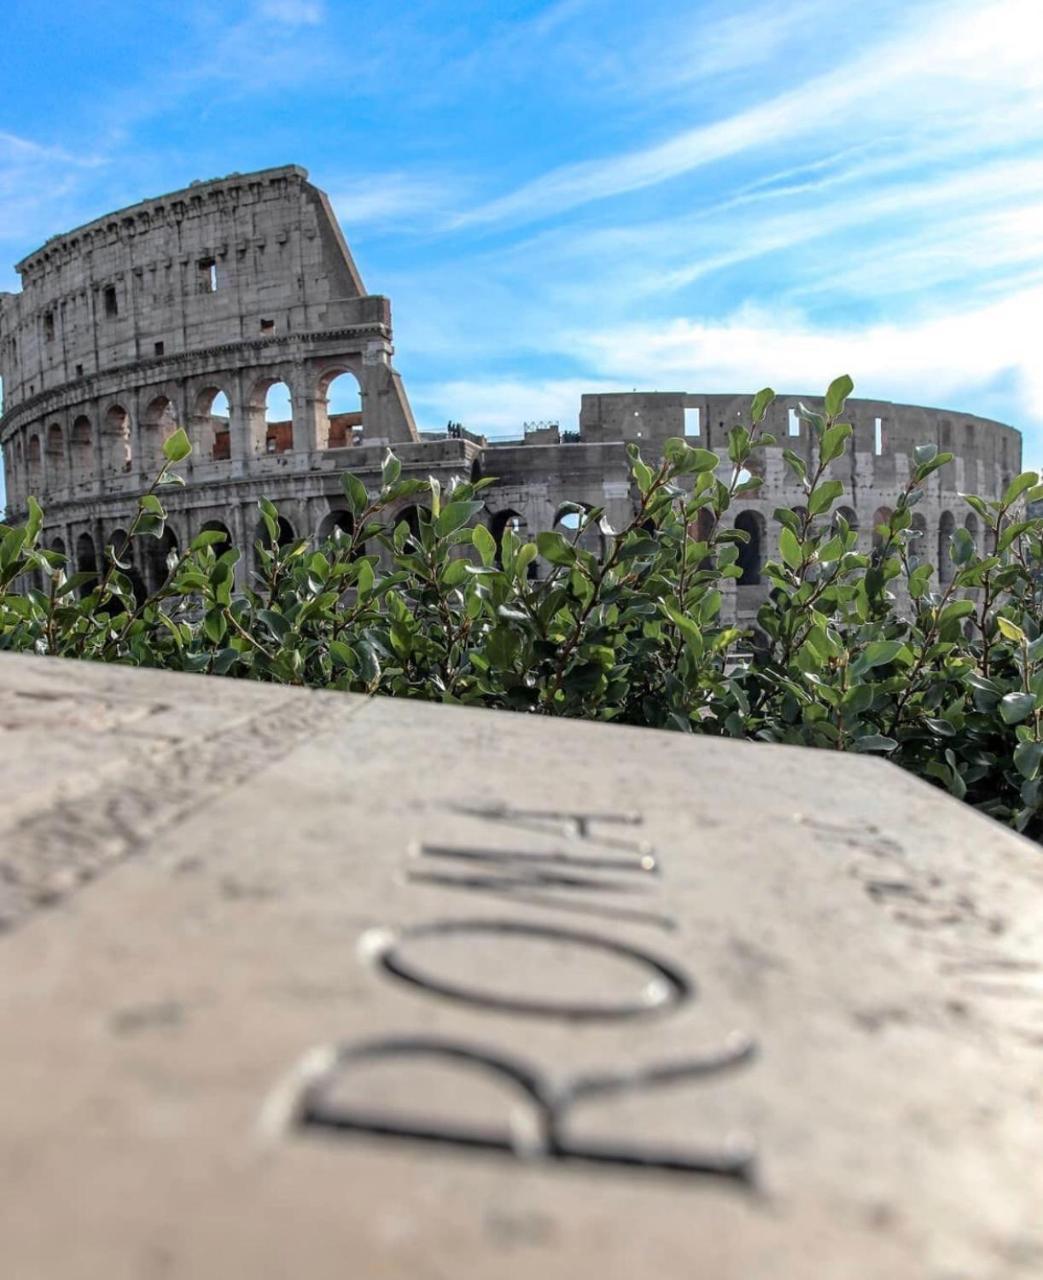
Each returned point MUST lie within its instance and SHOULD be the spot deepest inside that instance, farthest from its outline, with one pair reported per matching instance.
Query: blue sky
(581, 195)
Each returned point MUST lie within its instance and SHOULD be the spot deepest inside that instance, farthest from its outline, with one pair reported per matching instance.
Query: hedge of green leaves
(947, 680)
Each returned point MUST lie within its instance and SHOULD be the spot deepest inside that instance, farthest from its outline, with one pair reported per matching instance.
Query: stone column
(137, 461)
(306, 412)
(240, 445)
(97, 448)
(240, 539)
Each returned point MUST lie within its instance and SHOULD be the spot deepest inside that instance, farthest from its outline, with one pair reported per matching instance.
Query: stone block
(297, 983)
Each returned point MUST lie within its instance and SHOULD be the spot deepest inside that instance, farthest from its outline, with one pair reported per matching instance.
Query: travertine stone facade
(136, 323)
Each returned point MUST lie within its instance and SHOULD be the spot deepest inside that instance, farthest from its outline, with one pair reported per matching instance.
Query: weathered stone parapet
(279, 995)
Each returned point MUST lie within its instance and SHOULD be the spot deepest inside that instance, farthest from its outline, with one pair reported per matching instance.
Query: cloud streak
(948, 57)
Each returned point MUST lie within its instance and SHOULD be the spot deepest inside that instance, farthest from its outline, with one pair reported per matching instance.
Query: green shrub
(947, 680)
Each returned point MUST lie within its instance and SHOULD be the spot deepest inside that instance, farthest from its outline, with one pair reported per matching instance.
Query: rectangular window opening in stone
(267, 326)
(794, 423)
(878, 436)
(691, 422)
(48, 325)
(111, 305)
(159, 348)
(79, 371)
(207, 275)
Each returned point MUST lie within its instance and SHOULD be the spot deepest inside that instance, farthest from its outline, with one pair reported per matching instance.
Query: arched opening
(335, 524)
(974, 529)
(946, 528)
(338, 409)
(918, 528)
(159, 422)
(56, 478)
(86, 561)
(116, 453)
(81, 451)
(58, 544)
(591, 539)
(269, 413)
(159, 557)
(34, 474)
(881, 516)
(500, 522)
(217, 526)
(209, 425)
(124, 552)
(751, 552)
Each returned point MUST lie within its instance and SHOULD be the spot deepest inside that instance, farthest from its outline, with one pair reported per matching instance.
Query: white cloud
(949, 58)
(937, 360)
(392, 197)
(498, 406)
(292, 13)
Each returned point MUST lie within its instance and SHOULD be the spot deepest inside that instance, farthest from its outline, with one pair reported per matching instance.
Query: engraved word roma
(587, 878)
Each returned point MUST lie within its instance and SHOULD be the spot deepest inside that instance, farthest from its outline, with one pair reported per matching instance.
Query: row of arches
(753, 553)
(54, 457)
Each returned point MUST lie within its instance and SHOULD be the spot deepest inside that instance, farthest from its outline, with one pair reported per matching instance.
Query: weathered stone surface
(313, 922)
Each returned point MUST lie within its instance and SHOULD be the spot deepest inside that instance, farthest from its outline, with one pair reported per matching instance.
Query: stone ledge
(291, 982)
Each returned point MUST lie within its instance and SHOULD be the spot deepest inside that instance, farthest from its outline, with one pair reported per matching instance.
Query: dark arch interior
(751, 552)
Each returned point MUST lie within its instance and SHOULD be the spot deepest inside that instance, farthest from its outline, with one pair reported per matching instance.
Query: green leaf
(955, 610)
(177, 446)
(343, 654)
(555, 548)
(833, 441)
(1027, 758)
(1010, 629)
(839, 390)
(789, 546)
(1018, 486)
(484, 543)
(961, 546)
(823, 496)
(924, 453)
(454, 515)
(355, 493)
(215, 626)
(1015, 707)
(276, 623)
(527, 552)
(762, 402)
(390, 469)
(875, 742)
(880, 653)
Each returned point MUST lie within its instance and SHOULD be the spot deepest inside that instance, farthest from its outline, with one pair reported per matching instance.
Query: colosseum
(194, 309)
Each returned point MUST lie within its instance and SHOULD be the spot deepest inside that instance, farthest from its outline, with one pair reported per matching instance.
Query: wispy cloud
(393, 198)
(293, 13)
(954, 354)
(945, 57)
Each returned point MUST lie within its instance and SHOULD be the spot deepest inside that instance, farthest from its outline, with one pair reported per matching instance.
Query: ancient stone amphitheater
(189, 309)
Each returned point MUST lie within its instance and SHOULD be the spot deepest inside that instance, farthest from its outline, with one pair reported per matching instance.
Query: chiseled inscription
(597, 865)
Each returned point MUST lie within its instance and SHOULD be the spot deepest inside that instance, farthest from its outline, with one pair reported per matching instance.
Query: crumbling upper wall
(989, 452)
(217, 262)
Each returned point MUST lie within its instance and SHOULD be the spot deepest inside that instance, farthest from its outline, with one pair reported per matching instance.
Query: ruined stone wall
(133, 325)
(877, 465)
